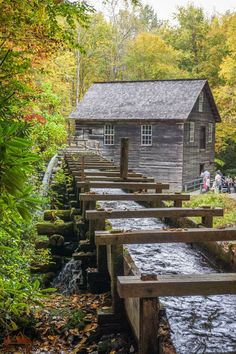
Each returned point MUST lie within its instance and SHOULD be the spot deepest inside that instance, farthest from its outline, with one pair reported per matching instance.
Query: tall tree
(226, 97)
(188, 36)
(149, 57)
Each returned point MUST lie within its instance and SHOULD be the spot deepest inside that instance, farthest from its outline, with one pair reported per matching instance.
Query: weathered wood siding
(193, 156)
(163, 160)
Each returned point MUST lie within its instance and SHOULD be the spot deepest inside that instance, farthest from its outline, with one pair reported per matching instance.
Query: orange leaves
(16, 341)
(35, 118)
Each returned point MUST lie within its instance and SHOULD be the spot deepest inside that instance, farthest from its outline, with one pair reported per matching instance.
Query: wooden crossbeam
(177, 285)
(165, 236)
(138, 197)
(117, 179)
(92, 165)
(124, 185)
(110, 168)
(109, 174)
(95, 162)
(153, 213)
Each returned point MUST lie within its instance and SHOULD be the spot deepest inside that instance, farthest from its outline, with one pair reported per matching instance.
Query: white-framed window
(146, 135)
(109, 134)
(201, 101)
(191, 132)
(210, 132)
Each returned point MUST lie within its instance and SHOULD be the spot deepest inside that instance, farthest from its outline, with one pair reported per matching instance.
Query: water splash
(48, 174)
(69, 279)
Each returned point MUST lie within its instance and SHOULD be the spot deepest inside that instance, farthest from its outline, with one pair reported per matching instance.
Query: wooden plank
(76, 169)
(92, 165)
(165, 236)
(149, 324)
(177, 285)
(115, 267)
(124, 157)
(152, 213)
(138, 197)
(109, 174)
(125, 185)
(115, 179)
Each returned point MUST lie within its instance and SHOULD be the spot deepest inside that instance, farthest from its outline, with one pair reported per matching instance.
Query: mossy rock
(56, 240)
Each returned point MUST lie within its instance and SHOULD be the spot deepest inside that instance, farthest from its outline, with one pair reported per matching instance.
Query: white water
(69, 279)
(48, 174)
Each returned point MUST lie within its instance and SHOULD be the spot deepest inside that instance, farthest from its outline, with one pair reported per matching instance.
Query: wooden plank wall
(162, 160)
(192, 155)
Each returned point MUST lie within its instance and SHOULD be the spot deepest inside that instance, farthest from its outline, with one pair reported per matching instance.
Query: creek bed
(199, 324)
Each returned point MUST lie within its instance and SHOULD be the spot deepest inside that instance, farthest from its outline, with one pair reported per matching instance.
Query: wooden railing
(84, 144)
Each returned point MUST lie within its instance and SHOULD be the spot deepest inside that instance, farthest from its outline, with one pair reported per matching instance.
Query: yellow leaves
(150, 57)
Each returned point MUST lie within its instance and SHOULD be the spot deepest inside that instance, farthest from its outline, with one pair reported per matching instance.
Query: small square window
(210, 132)
(109, 134)
(146, 135)
(191, 132)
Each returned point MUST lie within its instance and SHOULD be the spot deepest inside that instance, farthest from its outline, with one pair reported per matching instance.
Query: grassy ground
(218, 201)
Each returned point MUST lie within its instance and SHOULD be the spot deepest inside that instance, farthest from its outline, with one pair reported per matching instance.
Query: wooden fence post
(149, 322)
(124, 158)
(207, 220)
(178, 202)
(117, 268)
(82, 169)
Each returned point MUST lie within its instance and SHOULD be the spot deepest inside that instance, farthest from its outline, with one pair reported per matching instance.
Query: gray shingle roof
(162, 100)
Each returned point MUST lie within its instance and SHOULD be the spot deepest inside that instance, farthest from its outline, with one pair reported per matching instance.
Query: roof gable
(137, 100)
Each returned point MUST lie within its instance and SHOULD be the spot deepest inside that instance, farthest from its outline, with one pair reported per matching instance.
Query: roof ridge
(132, 81)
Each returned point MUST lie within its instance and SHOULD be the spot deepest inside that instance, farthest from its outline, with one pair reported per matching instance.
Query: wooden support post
(82, 169)
(116, 267)
(207, 220)
(178, 203)
(158, 203)
(98, 224)
(149, 322)
(124, 158)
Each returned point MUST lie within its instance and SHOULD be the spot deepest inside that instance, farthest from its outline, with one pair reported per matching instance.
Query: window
(191, 132)
(109, 134)
(146, 135)
(200, 102)
(210, 132)
(202, 137)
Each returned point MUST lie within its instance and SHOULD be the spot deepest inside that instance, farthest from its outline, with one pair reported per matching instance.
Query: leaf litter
(67, 324)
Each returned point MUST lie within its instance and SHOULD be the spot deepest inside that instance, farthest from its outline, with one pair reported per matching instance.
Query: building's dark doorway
(201, 168)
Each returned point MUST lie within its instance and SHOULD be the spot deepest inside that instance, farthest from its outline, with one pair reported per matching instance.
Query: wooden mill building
(170, 125)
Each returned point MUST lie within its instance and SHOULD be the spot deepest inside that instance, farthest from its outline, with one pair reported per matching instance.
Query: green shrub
(217, 201)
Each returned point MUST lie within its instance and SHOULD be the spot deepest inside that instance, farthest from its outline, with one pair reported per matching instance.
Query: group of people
(221, 184)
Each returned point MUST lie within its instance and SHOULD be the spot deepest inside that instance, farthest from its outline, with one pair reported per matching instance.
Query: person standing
(234, 184)
(206, 180)
(218, 181)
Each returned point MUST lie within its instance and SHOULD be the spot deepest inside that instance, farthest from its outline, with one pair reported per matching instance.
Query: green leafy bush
(216, 201)
(17, 202)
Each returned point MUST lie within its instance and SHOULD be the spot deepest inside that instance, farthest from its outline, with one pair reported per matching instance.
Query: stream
(199, 324)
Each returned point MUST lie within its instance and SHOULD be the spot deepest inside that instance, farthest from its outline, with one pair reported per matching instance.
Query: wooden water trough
(140, 293)
(135, 293)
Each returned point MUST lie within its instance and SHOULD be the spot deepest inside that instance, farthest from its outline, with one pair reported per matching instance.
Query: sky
(166, 8)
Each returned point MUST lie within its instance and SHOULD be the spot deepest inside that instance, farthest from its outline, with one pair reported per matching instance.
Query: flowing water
(199, 324)
(69, 280)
